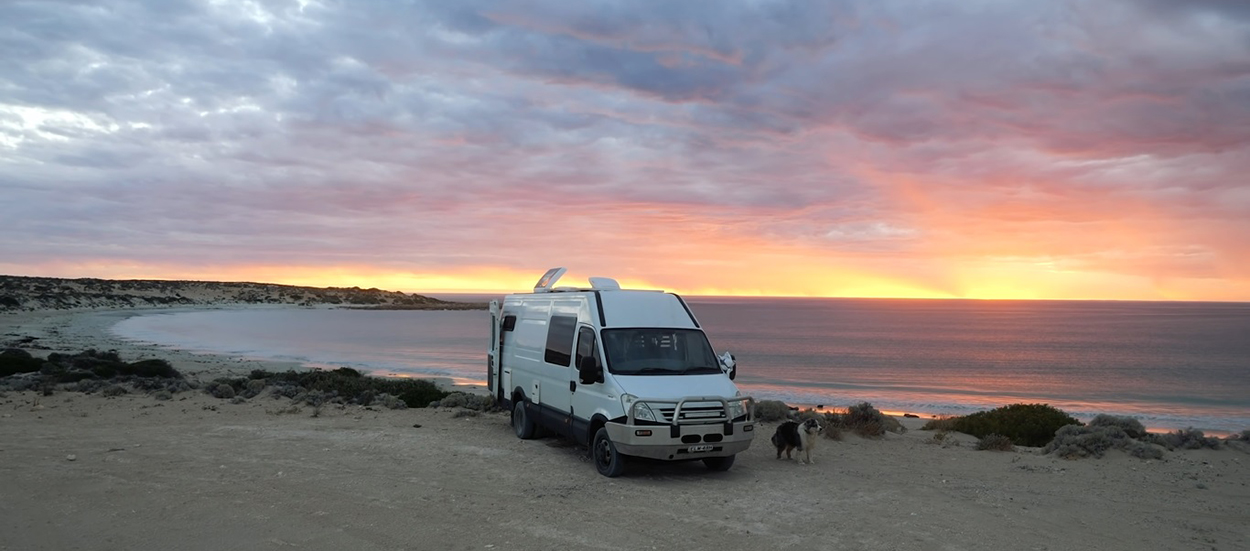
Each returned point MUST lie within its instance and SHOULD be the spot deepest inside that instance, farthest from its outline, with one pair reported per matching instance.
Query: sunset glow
(944, 150)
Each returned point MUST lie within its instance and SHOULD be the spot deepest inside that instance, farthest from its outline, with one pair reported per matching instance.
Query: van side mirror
(589, 371)
(728, 364)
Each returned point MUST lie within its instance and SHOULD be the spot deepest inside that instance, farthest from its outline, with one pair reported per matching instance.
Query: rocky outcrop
(19, 293)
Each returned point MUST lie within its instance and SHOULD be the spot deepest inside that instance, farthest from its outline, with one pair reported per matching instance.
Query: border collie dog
(793, 435)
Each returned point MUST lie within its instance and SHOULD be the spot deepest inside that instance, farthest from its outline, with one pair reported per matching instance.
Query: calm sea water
(1172, 365)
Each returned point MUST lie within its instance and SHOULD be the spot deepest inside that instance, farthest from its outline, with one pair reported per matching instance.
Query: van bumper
(681, 442)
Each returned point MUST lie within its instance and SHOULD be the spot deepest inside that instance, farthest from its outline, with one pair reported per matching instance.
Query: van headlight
(737, 408)
(642, 411)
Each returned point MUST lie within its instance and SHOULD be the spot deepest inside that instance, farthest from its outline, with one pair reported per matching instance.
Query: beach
(84, 471)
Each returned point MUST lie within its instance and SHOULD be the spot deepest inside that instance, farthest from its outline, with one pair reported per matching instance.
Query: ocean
(1172, 365)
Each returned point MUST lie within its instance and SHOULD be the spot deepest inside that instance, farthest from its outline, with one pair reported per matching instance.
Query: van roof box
(546, 284)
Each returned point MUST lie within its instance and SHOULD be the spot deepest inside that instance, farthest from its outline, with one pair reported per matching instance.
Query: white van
(625, 372)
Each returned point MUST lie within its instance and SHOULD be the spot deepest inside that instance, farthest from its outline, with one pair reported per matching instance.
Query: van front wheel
(608, 461)
(521, 423)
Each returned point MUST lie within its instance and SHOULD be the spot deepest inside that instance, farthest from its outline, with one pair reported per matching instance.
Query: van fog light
(642, 432)
(748, 428)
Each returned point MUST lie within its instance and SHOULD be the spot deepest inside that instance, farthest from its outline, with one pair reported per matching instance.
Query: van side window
(586, 349)
(560, 340)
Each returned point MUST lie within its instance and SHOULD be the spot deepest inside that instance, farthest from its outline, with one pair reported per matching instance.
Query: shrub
(865, 420)
(1132, 427)
(349, 383)
(453, 400)
(162, 395)
(87, 386)
(253, 388)
(1187, 439)
(1243, 437)
(1142, 450)
(995, 442)
(112, 390)
(16, 360)
(347, 372)
(832, 432)
(392, 402)
(943, 438)
(1025, 424)
(462, 412)
(149, 368)
(1075, 441)
(475, 402)
(771, 411)
(944, 424)
(221, 390)
(284, 391)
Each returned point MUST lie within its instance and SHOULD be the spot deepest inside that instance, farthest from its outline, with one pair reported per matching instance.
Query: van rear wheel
(608, 461)
(522, 425)
(719, 463)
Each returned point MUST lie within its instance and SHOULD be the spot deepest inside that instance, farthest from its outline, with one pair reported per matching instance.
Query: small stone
(71, 457)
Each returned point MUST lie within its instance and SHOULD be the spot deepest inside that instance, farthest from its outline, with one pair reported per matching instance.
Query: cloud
(447, 135)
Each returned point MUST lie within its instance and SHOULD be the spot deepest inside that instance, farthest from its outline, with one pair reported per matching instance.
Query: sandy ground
(88, 472)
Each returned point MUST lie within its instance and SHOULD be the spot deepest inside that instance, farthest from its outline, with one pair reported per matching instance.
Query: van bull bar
(690, 428)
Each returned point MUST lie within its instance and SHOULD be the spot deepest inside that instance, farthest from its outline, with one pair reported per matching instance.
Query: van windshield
(651, 351)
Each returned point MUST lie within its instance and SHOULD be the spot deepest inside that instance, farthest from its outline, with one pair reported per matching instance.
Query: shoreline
(76, 330)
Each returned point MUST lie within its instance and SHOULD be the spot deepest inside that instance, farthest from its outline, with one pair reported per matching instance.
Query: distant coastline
(30, 294)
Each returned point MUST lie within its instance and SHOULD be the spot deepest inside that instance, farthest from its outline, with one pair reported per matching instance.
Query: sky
(931, 149)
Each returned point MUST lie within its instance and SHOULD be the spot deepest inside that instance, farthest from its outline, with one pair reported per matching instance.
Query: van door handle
(572, 386)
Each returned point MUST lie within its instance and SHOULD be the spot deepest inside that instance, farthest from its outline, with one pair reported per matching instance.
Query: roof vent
(604, 284)
(548, 280)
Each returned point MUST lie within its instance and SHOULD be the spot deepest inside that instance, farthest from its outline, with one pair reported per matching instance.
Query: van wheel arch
(596, 422)
(522, 424)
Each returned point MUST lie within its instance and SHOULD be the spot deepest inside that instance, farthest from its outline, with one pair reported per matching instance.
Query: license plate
(702, 448)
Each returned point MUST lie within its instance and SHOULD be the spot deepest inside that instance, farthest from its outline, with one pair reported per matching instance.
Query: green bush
(865, 420)
(349, 385)
(943, 424)
(221, 390)
(150, 368)
(1025, 424)
(771, 411)
(16, 360)
(1132, 427)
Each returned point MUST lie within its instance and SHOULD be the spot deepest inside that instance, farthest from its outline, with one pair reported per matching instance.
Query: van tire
(719, 463)
(608, 461)
(522, 425)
